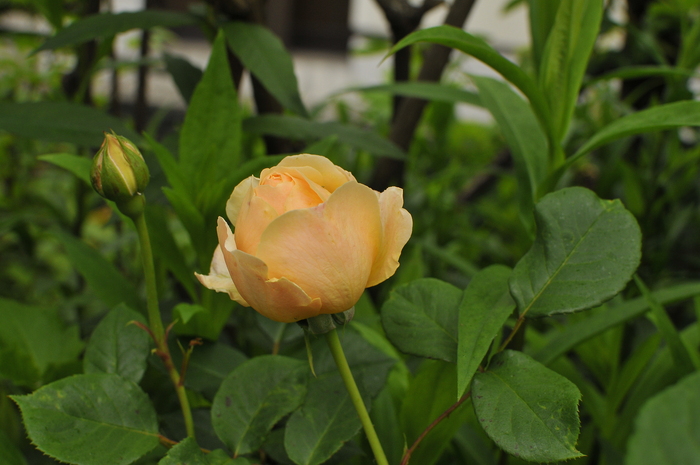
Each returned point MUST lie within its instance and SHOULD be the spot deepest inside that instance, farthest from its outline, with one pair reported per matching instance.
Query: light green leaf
(658, 118)
(254, 397)
(79, 166)
(293, 127)
(457, 38)
(183, 312)
(636, 72)
(118, 347)
(32, 341)
(430, 394)
(576, 333)
(524, 136)
(542, 14)
(61, 122)
(528, 410)
(210, 137)
(425, 90)
(565, 56)
(486, 306)
(667, 428)
(420, 318)
(585, 252)
(109, 24)
(95, 419)
(263, 53)
(109, 285)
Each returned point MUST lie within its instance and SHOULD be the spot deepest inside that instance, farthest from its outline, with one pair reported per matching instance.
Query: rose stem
(154, 319)
(345, 373)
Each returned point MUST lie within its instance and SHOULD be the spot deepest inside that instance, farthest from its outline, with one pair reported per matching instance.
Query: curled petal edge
(219, 279)
(397, 225)
(278, 298)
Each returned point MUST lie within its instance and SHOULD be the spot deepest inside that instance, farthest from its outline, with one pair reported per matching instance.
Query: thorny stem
(445, 414)
(160, 336)
(345, 373)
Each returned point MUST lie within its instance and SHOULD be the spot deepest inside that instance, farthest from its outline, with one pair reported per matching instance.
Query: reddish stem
(445, 414)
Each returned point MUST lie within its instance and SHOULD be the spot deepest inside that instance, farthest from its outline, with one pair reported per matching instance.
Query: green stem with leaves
(134, 209)
(339, 356)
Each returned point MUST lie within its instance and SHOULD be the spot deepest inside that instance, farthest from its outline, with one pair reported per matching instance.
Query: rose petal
(254, 216)
(327, 250)
(294, 191)
(219, 279)
(239, 194)
(277, 299)
(397, 226)
(319, 169)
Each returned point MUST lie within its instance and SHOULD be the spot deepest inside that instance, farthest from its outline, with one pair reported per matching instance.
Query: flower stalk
(339, 356)
(160, 336)
(120, 174)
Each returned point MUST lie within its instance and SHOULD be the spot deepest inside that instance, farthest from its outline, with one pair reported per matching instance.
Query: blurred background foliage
(61, 246)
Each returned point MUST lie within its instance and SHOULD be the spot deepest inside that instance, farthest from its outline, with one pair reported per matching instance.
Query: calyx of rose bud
(119, 171)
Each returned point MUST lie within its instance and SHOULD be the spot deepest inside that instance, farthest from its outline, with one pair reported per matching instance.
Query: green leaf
(193, 221)
(565, 56)
(210, 137)
(576, 333)
(168, 164)
(636, 72)
(109, 285)
(457, 38)
(524, 136)
(425, 90)
(109, 24)
(254, 397)
(667, 428)
(184, 312)
(293, 127)
(430, 394)
(32, 341)
(527, 409)
(686, 360)
(420, 318)
(95, 419)
(61, 122)
(209, 365)
(166, 250)
(486, 306)
(542, 14)
(327, 419)
(263, 53)
(585, 252)
(318, 430)
(186, 452)
(658, 118)
(79, 166)
(118, 347)
(220, 457)
(184, 73)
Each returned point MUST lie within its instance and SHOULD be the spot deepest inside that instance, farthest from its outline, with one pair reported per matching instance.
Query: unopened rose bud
(119, 171)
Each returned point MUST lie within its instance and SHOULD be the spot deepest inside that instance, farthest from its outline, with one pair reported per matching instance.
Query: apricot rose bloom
(308, 240)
